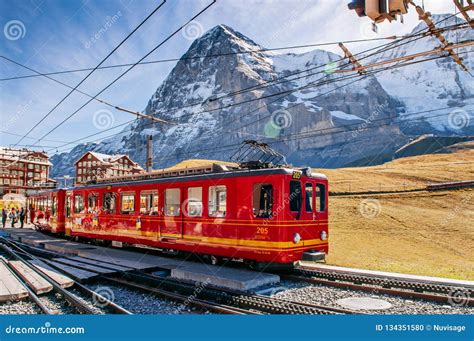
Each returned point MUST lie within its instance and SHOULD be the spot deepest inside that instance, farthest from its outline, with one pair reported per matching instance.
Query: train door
(172, 224)
(67, 213)
(53, 221)
(193, 210)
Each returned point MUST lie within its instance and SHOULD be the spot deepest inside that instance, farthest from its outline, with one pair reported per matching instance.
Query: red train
(276, 215)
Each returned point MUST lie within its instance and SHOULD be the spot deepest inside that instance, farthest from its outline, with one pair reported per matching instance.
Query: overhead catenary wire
(91, 72)
(126, 71)
(391, 67)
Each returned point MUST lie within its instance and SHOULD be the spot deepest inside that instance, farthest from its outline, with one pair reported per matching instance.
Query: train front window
(309, 197)
(262, 201)
(320, 197)
(172, 202)
(78, 203)
(149, 202)
(194, 202)
(127, 203)
(217, 201)
(109, 202)
(295, 196)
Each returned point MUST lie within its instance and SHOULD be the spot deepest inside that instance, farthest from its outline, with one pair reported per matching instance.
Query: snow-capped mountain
(212, 104)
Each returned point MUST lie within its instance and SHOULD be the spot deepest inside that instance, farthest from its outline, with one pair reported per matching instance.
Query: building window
(217, 201)
(89, 156)
(127, 201)
(262, 200)
(295, 196)
(109, 202)
(194, 202)
(172, 202)
(30, 166)
(320, 197)
(78, 203)
(149, 202)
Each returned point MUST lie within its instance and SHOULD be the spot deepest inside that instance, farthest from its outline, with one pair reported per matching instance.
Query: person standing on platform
(13, 217)
(22, 215)
(4, 216)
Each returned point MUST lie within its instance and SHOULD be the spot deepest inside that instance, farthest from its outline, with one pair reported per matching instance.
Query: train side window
(295, 196)
(78, 203)
(217, 201)
(149, 202)
(68, 206)
(263, 201)
(54, 206)
(309, 197)
(172, 202)
(108, 202)
(320, 198)
(194, 203)
(91, 202)
(127, 203)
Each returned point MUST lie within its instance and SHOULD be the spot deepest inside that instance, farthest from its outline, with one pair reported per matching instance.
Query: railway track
(410, 287)
(79, 298)
(200, 295)
(230, 301)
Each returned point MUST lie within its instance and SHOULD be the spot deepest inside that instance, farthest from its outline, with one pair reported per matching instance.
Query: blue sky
(55, 35)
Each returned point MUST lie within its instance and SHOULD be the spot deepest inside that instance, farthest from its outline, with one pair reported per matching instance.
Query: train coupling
(314, 256)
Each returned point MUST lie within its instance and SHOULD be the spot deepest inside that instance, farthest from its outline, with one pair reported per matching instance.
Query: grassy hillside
(427, 233)
(406, 173)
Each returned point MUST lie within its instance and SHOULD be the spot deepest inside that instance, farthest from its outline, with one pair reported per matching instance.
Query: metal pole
(149, 153)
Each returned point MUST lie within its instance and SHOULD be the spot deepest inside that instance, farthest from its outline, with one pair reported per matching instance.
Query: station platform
(84, 261)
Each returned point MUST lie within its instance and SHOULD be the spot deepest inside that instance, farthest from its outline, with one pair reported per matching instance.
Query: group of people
(14, 215)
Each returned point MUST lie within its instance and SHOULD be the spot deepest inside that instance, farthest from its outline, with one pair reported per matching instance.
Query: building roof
(108, 159)
(22, 155)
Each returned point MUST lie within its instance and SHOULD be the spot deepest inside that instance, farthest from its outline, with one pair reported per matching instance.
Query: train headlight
(324, 235)
(296, 238)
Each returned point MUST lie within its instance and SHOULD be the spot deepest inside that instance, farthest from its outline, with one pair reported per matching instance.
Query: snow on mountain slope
(291, 100)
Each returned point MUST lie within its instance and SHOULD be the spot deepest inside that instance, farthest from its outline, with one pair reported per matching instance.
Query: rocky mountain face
(293, 102)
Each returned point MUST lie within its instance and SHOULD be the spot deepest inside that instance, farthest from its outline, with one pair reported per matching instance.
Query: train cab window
(217, 201)
(172, 202)
(309, 197)
(92, 202)
(149, 202)
(194, 202)
(320, 198)
(295, 196)
(108, 202)
(127, 203)
(68, 206)
(54, 206)
(78, 203)
(262, 201)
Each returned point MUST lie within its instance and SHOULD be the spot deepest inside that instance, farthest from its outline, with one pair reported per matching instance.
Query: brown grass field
(425, 233)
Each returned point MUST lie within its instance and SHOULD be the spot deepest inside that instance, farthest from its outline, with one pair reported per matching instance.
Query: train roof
(221, 172)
